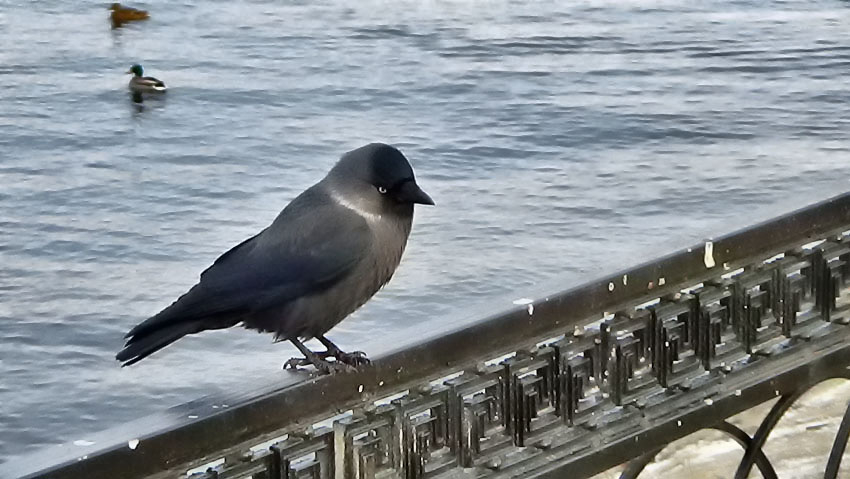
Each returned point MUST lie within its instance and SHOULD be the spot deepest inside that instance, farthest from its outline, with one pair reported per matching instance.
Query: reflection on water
(559, 140)
(140, 102)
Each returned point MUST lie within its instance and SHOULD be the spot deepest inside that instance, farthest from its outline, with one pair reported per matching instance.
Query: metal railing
(579, 381)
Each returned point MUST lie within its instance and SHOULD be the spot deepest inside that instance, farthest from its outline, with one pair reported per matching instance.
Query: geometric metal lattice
(502, 418)
(585, 379)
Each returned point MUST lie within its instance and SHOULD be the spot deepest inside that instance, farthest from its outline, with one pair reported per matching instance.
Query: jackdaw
(332, 248)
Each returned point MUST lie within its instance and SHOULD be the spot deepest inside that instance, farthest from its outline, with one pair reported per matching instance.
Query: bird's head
(136, 70)
(378, 177)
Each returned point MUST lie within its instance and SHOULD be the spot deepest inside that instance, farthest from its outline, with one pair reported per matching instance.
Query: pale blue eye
(382, 190)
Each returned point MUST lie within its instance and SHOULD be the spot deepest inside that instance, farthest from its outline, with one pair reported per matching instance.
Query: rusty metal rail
(578, 381)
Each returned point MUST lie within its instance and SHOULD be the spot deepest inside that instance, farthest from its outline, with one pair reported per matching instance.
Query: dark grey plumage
(330, 250)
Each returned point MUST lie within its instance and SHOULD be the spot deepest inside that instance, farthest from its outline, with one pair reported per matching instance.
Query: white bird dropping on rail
(708, 259)
(527, 302)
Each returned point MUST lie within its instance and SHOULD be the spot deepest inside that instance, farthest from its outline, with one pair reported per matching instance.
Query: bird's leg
(355, 358)
(315, 359)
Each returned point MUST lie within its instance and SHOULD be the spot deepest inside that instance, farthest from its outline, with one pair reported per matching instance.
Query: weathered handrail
(583, 379)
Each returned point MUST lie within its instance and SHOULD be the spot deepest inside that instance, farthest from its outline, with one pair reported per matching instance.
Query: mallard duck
(126, 14)
(142, 84)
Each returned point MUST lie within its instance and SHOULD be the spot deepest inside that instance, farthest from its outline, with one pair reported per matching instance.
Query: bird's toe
(354, 358)
(318, 361)
(295, 363)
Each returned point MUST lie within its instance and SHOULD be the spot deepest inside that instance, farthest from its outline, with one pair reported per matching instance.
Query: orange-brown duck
(121, 15)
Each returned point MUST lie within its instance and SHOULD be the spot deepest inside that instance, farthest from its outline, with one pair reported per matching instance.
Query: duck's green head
(136, 70)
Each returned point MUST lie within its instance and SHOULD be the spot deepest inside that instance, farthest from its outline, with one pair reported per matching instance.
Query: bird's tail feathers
(140, 346)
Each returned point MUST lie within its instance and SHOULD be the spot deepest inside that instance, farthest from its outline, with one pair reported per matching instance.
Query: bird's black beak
(410, 192)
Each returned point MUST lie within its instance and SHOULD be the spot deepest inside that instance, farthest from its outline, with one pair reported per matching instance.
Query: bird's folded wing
(299, 254)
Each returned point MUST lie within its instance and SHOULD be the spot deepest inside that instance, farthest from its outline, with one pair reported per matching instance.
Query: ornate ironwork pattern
(581, 381)
(512, 418)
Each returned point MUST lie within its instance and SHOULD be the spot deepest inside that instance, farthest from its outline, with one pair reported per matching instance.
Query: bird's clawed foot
(343, 362)
(327, 367)
(354, 358)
